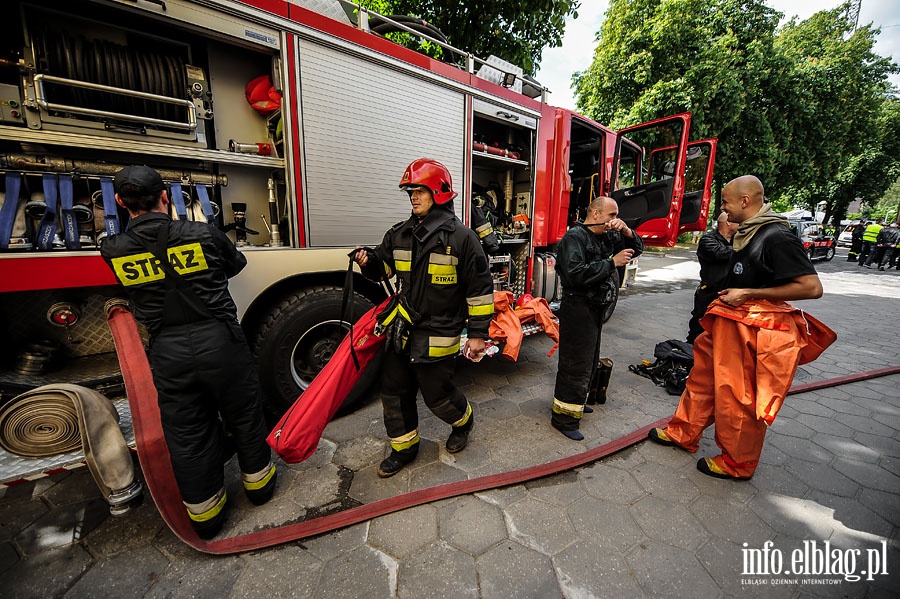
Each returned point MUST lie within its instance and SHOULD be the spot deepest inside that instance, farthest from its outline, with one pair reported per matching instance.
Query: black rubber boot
(572, 433)
(208, 529)
(260, 494)
(459, 436)
(395, 462)
(604, 371)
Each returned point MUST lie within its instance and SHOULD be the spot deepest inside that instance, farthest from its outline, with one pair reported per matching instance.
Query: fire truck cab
(299, 174)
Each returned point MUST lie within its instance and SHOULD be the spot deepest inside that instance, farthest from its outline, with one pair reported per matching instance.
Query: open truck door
(698, 176)
(650, 195)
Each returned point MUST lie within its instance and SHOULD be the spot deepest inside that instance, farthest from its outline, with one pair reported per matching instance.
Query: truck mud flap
(160, 480)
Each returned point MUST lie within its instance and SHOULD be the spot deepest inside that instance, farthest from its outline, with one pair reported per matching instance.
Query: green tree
(789, 106)
(869, 173)
(515, 30)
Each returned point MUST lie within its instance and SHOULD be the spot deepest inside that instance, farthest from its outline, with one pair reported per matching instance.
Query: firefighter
(586, 260)
(445, 286)
(856, 242)
(204, 374)
(753, 341)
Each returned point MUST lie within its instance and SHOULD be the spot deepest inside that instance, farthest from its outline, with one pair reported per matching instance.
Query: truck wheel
(608, 310)
(295, 341)
(829, 254)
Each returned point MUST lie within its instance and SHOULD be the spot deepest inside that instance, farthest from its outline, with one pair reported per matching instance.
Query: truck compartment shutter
(362, 124)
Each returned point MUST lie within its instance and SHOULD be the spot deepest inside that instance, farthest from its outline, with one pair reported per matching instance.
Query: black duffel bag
(674, 360)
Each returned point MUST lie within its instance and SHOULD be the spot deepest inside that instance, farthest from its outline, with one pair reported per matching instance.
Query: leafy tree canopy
(515, 30)
(791, 105)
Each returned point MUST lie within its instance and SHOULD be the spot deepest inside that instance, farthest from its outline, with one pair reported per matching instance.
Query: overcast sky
(558, 64)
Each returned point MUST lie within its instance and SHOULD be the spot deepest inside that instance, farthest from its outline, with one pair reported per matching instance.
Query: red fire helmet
(431, 174)
(262, 96)
(523, 299)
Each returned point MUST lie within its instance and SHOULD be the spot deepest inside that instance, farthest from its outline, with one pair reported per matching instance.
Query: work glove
(395, 322)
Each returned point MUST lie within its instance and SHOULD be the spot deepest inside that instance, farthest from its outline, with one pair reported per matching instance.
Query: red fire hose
(156, 465)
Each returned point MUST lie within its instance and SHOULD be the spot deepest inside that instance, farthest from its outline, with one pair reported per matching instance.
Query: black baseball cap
(137, 181)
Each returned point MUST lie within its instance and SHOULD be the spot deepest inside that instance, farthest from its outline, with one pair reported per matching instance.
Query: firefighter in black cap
(202, 368)
(445, 286)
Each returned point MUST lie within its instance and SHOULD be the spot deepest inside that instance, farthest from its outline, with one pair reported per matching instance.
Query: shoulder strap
(173, 278)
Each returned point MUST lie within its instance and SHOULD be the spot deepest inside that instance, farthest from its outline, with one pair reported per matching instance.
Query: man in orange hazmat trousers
(753, 341)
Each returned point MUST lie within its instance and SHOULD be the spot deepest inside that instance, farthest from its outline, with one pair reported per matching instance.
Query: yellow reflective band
(568, 409)
(403, 265)
(441, 269)
(140, 269)
(389, 318)
(438, 347)
(481, 310)
(406, 441)
(253, 486)
(484, 230)
(465, 417)
(210, 513)
(398, 309)
(404, 313)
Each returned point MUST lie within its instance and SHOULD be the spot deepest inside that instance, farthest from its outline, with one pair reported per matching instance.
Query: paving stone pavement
(643, 522)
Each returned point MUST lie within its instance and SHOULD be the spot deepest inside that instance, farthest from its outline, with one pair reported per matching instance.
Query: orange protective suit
(744, 364)
(506, 326)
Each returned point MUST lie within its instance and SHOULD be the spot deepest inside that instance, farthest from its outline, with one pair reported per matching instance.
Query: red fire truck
(89, 86)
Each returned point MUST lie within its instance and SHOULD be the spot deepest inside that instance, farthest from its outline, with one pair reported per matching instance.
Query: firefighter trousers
(207, 384)
(402, 380)
(580, 327)
(735, 365)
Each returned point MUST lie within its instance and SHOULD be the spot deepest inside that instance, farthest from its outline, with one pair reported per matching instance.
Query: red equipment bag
(297, 434)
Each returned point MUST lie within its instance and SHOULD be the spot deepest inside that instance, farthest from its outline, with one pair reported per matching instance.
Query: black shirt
(774, 257)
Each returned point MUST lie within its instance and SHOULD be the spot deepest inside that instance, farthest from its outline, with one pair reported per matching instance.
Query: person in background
(856, 241)
(176, 273)
(746, 361)
(586, 260)
(886, 243)
(870, 238)
(445, 285)
(714, 254)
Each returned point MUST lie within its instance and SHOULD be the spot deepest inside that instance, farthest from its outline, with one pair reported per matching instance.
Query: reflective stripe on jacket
(444, 273)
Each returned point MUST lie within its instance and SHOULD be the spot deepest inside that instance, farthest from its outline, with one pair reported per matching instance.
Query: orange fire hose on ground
(160, 480)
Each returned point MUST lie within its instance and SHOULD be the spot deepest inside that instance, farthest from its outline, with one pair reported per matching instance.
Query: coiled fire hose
(160, 480)
(60, 418)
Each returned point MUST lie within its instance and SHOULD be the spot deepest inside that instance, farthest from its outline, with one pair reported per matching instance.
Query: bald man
(753, 342)
(714, 254)
(586, 260)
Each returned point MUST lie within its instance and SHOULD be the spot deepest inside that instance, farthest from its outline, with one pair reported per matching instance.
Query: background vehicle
(92, 86)
(815, 241)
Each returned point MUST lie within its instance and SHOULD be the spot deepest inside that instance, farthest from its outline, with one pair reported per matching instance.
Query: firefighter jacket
(443, 275)
(200, 253)
(584, 259)
(714, 254)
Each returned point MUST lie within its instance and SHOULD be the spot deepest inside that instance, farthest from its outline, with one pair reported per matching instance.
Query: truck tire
(829, 253)
(297, 338)
(609, 309)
